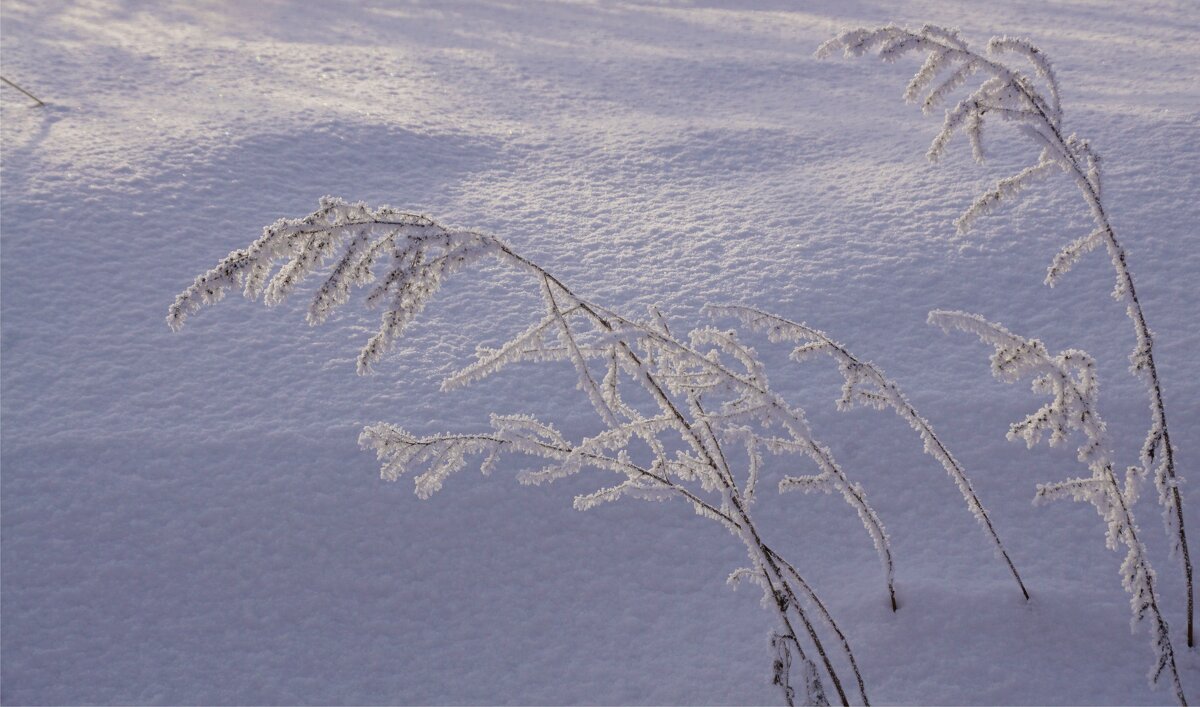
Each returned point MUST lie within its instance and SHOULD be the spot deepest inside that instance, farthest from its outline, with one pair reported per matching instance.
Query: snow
(186, 518)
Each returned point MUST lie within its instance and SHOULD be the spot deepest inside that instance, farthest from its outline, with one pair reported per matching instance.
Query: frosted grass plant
(1031, 103)
(709, 393)
(1069, 379)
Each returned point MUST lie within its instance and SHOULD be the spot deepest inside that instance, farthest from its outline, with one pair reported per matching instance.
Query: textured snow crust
(185, 518)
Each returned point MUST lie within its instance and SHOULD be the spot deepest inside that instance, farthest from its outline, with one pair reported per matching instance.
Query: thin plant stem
(27, 93)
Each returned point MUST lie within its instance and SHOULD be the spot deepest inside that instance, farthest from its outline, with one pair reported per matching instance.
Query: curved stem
(828, 618)
(1134, 310)
(1135, 547)
(27, 93)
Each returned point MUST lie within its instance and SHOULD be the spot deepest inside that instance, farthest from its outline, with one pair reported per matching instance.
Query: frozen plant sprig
(709, 390)
(865, 384)
(1070, 380)
(1031, 102)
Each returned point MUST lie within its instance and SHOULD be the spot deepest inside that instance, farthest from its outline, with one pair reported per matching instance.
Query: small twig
(27, 93)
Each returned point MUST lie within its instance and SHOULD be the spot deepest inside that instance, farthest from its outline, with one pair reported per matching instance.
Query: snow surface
(186, 517)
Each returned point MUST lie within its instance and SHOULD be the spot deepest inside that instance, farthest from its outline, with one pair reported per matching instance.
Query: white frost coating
(1069, 379)
(427, 254)
(1066, 258)
(1004, 189)
(865, 384)
(1006, 92)
(521, 347)
(937, 95)
(709, 389)
(587, 383)
(434, 457)
(336, 289)
(1041, 64)
(934, 63)
(741, 574)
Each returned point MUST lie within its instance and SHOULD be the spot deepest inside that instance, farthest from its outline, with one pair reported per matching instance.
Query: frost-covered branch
(708, 390)
(1069, 379)
(865, 384)
(1031, 101)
